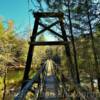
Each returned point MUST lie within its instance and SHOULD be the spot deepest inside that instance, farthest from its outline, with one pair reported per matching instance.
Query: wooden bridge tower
(33, 42)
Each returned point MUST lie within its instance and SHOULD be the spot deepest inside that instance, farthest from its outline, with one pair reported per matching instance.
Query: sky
(16, 10)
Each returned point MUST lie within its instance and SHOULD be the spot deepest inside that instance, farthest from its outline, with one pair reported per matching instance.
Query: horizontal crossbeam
(49, 43)
(46, 14)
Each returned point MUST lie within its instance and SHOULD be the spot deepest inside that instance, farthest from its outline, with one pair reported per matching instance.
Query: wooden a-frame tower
(33, 42)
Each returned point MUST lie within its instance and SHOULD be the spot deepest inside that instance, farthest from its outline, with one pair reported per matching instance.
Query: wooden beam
(30, 55)
(48, 14)
(49, 43)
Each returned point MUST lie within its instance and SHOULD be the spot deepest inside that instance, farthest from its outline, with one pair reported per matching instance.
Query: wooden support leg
(67, 49)
(30, 54)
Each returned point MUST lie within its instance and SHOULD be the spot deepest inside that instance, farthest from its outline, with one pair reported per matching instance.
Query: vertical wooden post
(67, 49)
(30, 53)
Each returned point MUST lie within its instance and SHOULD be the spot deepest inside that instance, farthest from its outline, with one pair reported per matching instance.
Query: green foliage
(41, 38)
(1, 28)
(98, 27)
(12, 49)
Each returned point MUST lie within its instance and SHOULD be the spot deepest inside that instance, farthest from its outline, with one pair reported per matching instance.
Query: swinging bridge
(52, 84)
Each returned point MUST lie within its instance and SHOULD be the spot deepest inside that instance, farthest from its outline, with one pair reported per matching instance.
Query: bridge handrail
(62, 83)
(83, 93)
(24, 91)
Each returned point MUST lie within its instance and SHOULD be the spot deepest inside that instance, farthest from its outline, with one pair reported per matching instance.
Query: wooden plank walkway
(50, 91)
(50, 87)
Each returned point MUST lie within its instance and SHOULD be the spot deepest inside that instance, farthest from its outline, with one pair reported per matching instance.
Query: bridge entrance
(35, 33)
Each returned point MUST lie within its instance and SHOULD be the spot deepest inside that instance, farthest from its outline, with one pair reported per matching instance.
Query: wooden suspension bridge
(52, 84)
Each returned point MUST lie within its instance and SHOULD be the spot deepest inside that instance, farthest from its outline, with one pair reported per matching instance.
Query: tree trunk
(4, 83)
